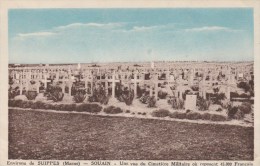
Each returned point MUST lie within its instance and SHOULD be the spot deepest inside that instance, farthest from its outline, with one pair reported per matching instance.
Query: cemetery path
(46, 135)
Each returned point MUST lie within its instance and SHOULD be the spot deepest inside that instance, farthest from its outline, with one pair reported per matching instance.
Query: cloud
(144, 28)
(60, 29)
(96, 25)
(210, 29)
(36, 34)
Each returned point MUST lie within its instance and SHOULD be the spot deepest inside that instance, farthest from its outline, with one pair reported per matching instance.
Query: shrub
(60, 107)
(10, 103)
(48, 106)
(219, 110)
(203, 104)
(38, 105)
(217, 97)
(139, 113)
(178, 115)
(55, 106)
(245, 107)
(151, 102)
(127, 111)
(162, 94)
(31, 95)
(126, 95)
(205, 116)
(195, 88)
(176, 103)
(12, 92)
(144, 99)
(187, 111)
(232, 111)
(143, 113)
(226, 104)
(239, 115)
(140, 91)
(244, 85)
(80, 95)
(113, 110)
(55, 93)
(193, 116)
(92, 108)
(26, 104)
(215, 117)
(99, 95)
(16, 103)
(69, 107)
(160, 113)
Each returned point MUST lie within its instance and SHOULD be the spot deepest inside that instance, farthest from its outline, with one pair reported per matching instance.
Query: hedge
(113, 110)
(92, 108)
(160, 113)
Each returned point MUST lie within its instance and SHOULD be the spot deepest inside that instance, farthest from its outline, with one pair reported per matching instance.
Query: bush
(219, 110)
(127, 111)
(205, 116)
(55, 93)
(143, 113)
(162, 94)
(151, 102)
(195, 88)
(10, 103)
(226, 104)
(215, 117)
(80, 95)
(178, 115)
(244, 85)
(48, 106)
(15, 103)
(245, 107)
(60, 107)
(203, 104)
(218, 97)
(144, 99)
(126, 95)
(91, 108)
(99, 95)
(12, 92)
(160, 113)
(31, 95)
(239, 115)
(26, 104)
(176, 103)
(193, 116)
(69, 107)
(232, 111)
(113, 110)
(38, 105)
(139, 113)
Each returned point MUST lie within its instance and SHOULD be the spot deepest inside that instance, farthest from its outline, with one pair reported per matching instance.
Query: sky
(130, 35)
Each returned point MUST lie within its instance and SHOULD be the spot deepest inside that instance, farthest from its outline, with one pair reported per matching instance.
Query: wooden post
(228, 92)
(37, 86)
(135, 84)
(113, 84)
(45, 81)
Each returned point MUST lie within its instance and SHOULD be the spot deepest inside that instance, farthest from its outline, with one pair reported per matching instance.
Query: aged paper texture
(158, 83)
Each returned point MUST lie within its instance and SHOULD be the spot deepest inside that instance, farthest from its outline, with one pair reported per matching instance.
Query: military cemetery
(194, 88)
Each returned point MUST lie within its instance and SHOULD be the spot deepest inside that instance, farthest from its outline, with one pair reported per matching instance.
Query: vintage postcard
(165, 83)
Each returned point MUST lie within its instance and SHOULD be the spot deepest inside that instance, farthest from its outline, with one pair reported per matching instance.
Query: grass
(47, 135)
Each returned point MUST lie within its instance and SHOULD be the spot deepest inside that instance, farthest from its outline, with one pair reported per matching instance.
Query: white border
(11, 4)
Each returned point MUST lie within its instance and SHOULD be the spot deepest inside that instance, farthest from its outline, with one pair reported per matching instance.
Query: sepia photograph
(131, 84)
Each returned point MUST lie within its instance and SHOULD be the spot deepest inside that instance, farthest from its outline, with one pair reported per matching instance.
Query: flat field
(47, 135)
